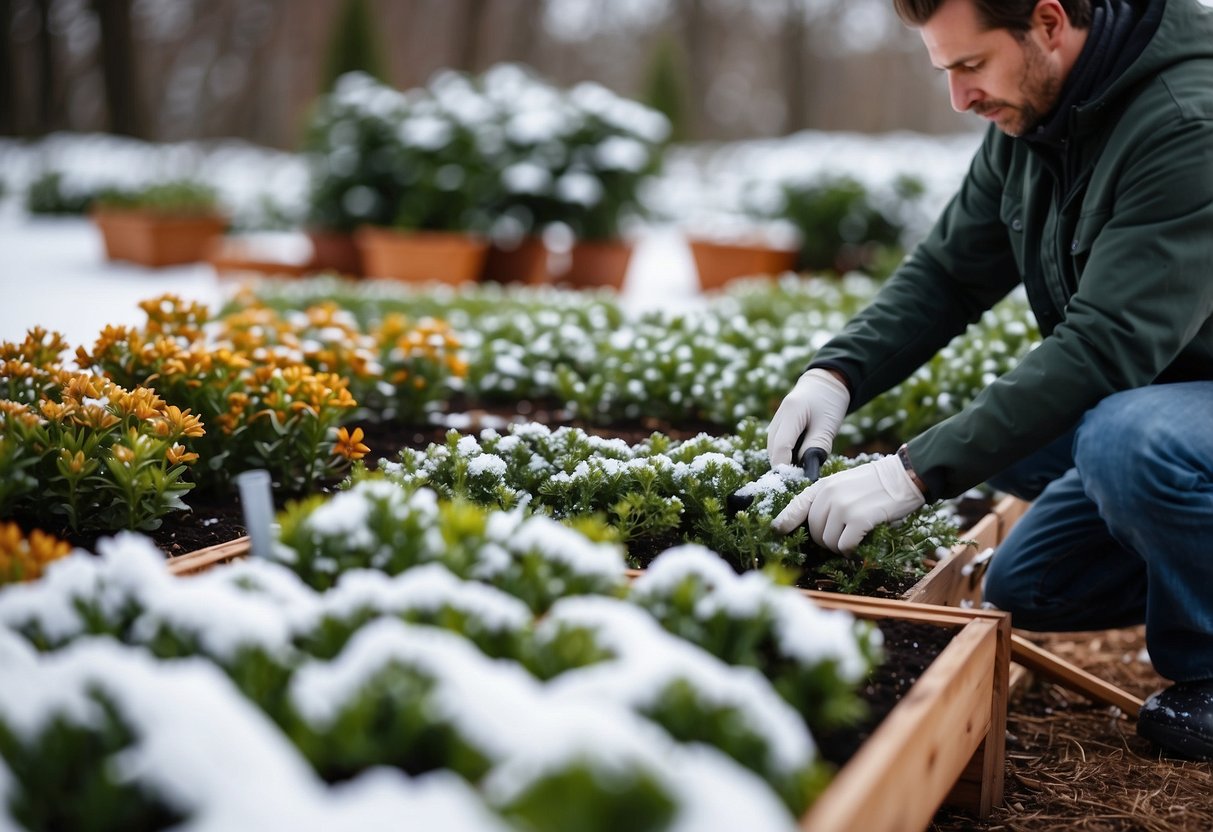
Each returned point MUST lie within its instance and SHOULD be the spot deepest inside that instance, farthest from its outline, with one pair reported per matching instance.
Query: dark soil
(909, 647)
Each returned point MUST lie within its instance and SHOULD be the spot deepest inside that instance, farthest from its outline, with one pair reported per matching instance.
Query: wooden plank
(203, 559)
(1008, 510)
(1071, 676)
(957, 578)
(900, 776)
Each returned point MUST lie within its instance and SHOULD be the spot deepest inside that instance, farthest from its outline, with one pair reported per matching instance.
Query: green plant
(577, 157)
(660, 493)
(354, 45)
(79, 450)
(175, 198)
(272, 412)
(844, 226)
(50, 194)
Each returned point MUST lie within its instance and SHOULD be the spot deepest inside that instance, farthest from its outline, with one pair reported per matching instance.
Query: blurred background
(721, 70)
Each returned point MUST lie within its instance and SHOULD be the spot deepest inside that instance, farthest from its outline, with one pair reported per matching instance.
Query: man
(1094, 188)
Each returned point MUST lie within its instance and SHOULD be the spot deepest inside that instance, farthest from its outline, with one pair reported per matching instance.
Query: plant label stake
(257, 503)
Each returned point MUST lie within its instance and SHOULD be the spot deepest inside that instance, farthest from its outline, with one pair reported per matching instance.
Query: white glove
(814, 407)
(841, 508)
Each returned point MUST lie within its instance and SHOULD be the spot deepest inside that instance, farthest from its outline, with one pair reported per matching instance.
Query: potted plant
(350, 145)
(731, 248)
(443, 183)
(845, 226)
(163, 224)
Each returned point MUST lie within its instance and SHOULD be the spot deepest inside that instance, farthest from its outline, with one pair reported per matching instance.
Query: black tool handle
(811, 461)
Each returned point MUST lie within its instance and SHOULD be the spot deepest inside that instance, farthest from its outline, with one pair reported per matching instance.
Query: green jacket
(1118, 270)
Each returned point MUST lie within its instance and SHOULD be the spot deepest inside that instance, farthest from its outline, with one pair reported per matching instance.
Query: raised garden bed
(942, 742)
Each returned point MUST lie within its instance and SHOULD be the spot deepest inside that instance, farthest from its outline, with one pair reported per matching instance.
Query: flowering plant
(397, 367)
(25, 557)
(76, 448)
(264, 409)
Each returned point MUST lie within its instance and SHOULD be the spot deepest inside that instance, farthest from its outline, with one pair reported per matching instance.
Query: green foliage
(274, 413)
(844, 227)
(49, 194)
(79, 451)
(582, 796)
(354, 45)
(504, 153)
(378, 525)
(395, 719)
(65, 777)
(660, 493)
(182, 197)
(666, 87)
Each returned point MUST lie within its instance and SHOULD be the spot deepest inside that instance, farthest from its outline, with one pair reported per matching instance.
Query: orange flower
(349, 445)
(182, 423)
(178, 454)
(123, 454)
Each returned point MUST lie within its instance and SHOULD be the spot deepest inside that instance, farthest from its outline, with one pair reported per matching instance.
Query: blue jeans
(1121, 530)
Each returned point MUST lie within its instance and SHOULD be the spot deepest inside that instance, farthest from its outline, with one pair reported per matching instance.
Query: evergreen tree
(354, 45)
(665, 88)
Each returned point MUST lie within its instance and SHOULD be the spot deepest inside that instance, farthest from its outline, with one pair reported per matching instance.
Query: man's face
(1012, 81)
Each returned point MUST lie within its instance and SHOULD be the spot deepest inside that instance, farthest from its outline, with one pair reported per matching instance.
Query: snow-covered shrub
(379, 525)
(813, 657)
(660, 492)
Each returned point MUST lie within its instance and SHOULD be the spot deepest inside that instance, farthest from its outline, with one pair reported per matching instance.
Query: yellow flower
(24, 558)
(178, 454)
(182, 423)
(75, 462)
(123, 454)
(349, 445)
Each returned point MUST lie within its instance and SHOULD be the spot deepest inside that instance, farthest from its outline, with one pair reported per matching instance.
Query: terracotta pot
(155, 239)
(527, 262)
(231, 258)
(421, 256)
(717, 263)
(597, 264)
(335, 251)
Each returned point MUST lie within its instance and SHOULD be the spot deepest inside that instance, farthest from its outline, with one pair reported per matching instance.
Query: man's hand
(840, 509)
(814, 407)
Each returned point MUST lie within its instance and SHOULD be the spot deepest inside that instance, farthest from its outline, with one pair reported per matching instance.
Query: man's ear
(1051, 19)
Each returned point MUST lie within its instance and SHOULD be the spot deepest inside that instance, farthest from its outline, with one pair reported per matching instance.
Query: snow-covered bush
(133, 690)
(659, 493)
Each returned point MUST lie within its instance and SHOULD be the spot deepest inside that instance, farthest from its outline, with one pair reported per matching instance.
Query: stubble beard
(1040, 87)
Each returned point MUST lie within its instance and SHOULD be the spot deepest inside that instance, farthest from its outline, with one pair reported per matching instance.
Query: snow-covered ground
(53, 271)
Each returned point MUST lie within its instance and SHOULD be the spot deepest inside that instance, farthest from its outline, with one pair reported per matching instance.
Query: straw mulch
(1077, 766)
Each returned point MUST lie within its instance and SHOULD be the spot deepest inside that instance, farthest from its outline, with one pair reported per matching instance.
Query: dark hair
(1012, 15)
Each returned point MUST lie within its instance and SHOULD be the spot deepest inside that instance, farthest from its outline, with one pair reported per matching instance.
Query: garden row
(343, 680)
(279, 381)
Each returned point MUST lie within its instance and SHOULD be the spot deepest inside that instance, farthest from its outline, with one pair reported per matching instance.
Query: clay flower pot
(152, 239)
(421, 256)
(335, 251)
(597, 264)
(527, 262)
(720, 262)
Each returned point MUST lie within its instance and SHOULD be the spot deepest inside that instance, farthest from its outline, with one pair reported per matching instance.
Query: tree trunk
(469, 16)
(697, 40)
(793, 45)
(46, 118)
(8, 93)
(118, 64)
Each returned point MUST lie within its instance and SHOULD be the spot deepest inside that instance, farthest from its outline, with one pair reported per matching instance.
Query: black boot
(1180, 719)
